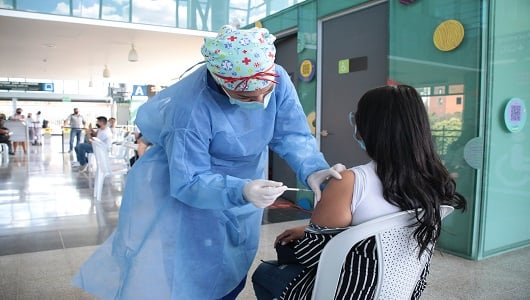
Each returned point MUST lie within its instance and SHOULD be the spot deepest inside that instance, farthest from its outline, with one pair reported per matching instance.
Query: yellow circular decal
(448, 35)
(307, 70)
(311, 118)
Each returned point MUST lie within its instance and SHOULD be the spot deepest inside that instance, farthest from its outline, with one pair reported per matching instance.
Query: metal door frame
(286, 33)
(319, 59)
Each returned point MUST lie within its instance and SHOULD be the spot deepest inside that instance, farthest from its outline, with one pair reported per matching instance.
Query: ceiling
(39, 46)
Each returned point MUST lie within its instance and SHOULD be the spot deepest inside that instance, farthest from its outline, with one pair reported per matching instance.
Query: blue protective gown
(185, 231)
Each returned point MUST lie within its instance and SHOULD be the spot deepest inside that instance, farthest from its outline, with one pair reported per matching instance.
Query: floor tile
(47, 264)
(30, 242)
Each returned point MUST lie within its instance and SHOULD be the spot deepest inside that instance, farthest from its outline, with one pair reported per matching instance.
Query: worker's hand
(317, 178)
(290, 235)
(263, 193)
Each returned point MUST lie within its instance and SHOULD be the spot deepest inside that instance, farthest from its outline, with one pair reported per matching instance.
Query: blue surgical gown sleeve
(185, 132)
(192, 179)
(292, 139)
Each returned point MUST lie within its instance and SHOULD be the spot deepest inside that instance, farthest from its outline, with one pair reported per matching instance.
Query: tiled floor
(49, 225)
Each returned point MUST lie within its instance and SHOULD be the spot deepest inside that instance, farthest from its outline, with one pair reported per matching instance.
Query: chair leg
(95, 184)
(98, 186)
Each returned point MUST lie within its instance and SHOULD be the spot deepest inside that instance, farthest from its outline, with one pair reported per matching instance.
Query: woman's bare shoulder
(334, 209)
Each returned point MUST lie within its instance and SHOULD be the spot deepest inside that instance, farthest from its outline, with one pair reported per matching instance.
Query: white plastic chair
(18, 131)
(123, 151)
(397, 256)
(4, 149)
(105, 167)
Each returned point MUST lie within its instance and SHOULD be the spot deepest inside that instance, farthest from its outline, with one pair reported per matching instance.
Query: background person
(18, 116)
(103, 133)
(37, 124)
(115, 131)
(31, 127)
(392, 126)
(191, 211)
(77, 123)
(4, 135)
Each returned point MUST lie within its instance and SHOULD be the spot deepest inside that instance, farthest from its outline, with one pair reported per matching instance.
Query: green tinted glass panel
(507, 188)
(115, 10)
(449, 82)
(6, 4)
(155, 12)
(50, 7)
(205, 15)
(85, 8)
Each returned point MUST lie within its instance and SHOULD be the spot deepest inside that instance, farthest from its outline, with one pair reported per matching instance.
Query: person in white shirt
(37, 129)
(18, 116)
(31, 128)
(115, 131)
(103, 133)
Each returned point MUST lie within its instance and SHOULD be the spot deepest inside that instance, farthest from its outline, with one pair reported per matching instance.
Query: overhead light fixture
(106, 72)
(133, 56)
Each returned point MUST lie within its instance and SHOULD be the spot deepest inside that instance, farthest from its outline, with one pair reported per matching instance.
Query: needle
(298, 190)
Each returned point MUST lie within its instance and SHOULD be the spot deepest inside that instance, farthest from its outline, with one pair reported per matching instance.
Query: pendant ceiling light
(133, 56)
(106, 72)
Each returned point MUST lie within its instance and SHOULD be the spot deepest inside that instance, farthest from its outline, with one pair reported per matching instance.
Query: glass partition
(206, 15)
(155, 12)
(115, 10)
(85, 8)
(6, 4)
(449, 82)
(57, 7)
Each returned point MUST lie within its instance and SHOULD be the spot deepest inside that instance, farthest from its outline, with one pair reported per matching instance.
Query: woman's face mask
(361, 142)
(351, 119)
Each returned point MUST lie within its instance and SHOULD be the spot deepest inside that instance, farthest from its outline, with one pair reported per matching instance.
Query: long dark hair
(394, 125)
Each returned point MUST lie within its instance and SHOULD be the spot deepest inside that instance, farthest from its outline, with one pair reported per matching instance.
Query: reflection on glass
(115, 10)
(445, 114)
(85, 8)
(256, 13)
(155, 12)
(6, 3)
(182, 14)
(207, 15)
(50, 7)
(238, 17)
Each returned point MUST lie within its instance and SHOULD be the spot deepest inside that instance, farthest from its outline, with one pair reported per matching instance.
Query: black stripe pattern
(359, 272)
(358, 278)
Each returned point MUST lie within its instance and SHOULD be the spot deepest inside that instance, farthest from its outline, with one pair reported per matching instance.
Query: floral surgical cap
(241, 60)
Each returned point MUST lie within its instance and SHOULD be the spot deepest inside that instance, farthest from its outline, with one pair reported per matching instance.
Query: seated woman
(405, 173)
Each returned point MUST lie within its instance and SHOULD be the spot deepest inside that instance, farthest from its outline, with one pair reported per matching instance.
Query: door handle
(324, 133)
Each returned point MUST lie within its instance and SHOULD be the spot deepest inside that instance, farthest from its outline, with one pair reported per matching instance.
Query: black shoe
(11, 153)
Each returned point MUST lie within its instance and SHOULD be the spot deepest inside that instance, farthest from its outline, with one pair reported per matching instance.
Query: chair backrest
(102, 155)
(398, 266)
(19, 130)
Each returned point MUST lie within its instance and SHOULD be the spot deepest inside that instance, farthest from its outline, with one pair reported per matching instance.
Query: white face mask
(252, 105)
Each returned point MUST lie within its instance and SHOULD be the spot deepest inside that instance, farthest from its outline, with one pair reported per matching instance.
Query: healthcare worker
(191, 211)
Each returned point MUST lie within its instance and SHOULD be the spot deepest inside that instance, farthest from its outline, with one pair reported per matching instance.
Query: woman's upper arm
(334, 209)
